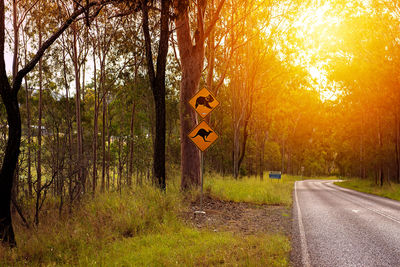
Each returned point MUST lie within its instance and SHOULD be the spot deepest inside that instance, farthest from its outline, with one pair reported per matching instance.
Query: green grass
(190, 247)
(140, 227)
(93, 225)
(252, 189)
(391, 191)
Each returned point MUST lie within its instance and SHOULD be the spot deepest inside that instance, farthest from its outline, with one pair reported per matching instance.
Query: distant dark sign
(275, 175)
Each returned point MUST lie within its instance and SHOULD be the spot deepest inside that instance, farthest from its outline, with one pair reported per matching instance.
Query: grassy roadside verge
(391, 191)
(191, 247)
(139, 227)
(252, 189)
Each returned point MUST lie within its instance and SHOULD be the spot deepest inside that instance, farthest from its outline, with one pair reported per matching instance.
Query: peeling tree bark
(192, 58)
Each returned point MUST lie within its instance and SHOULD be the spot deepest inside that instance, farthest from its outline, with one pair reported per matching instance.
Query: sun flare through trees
(94, 95)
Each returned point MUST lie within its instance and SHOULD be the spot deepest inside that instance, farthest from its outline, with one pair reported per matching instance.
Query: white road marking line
(390, 217)
(383, 214)
(303, 242)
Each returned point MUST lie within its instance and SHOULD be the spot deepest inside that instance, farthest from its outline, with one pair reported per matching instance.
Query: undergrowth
(391, 191)
(92, 225)
(192, 247)
(137, 227)
(252, 189)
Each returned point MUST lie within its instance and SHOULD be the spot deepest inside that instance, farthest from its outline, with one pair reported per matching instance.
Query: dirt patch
(244, 218)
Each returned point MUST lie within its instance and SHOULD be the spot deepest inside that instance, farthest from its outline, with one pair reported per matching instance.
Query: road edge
(299, 254)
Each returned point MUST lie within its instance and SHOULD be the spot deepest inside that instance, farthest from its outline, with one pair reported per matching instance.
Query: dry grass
(139, 227)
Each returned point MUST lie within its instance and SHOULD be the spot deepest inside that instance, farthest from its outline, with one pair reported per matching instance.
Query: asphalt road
(334, 226)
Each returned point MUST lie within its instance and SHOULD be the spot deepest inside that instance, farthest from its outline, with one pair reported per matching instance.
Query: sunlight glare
(315, 27)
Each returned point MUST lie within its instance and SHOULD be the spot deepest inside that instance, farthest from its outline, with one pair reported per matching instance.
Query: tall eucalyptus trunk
(157, 83)
(79, 139)
(39, 134)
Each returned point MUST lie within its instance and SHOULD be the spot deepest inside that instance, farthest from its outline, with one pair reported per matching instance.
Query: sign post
(203, 136)
(202, 179)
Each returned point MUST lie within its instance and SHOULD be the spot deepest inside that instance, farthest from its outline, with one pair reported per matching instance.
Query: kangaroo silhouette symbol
(203, 133)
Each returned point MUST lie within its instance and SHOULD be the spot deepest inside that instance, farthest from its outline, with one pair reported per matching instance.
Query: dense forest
(102, 89)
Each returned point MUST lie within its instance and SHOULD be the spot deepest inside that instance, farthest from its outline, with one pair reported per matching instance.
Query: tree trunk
(362, 167)
(39, 135)
(157, 82)
(191, 57)
(262, 151)
(108, 148)
(79, 145)
(28, 115)
(244, 142)
(283, 156)
(103, 143)
(119, 178)
(132, 132)
(16, 39)
(211, 55)
(131, 145)
(28, 125)
(190, 155)
(236, 148)
(10, 158)
(103, 90)
(397, 146)
(380, 148)
(159, 144)
(95, 124)
(69, 127)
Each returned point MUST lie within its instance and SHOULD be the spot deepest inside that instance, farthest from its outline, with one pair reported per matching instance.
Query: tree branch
(32, 63)
(147, 41)
(214, 19)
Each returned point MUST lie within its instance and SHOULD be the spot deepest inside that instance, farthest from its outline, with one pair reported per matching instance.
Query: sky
(8, 59)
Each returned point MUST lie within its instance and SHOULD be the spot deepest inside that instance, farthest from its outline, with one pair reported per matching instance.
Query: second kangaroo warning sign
(203, 136)
(203, 102)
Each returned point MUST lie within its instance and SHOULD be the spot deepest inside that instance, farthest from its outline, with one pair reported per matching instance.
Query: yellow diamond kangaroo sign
(203, 136)
(203, 102)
